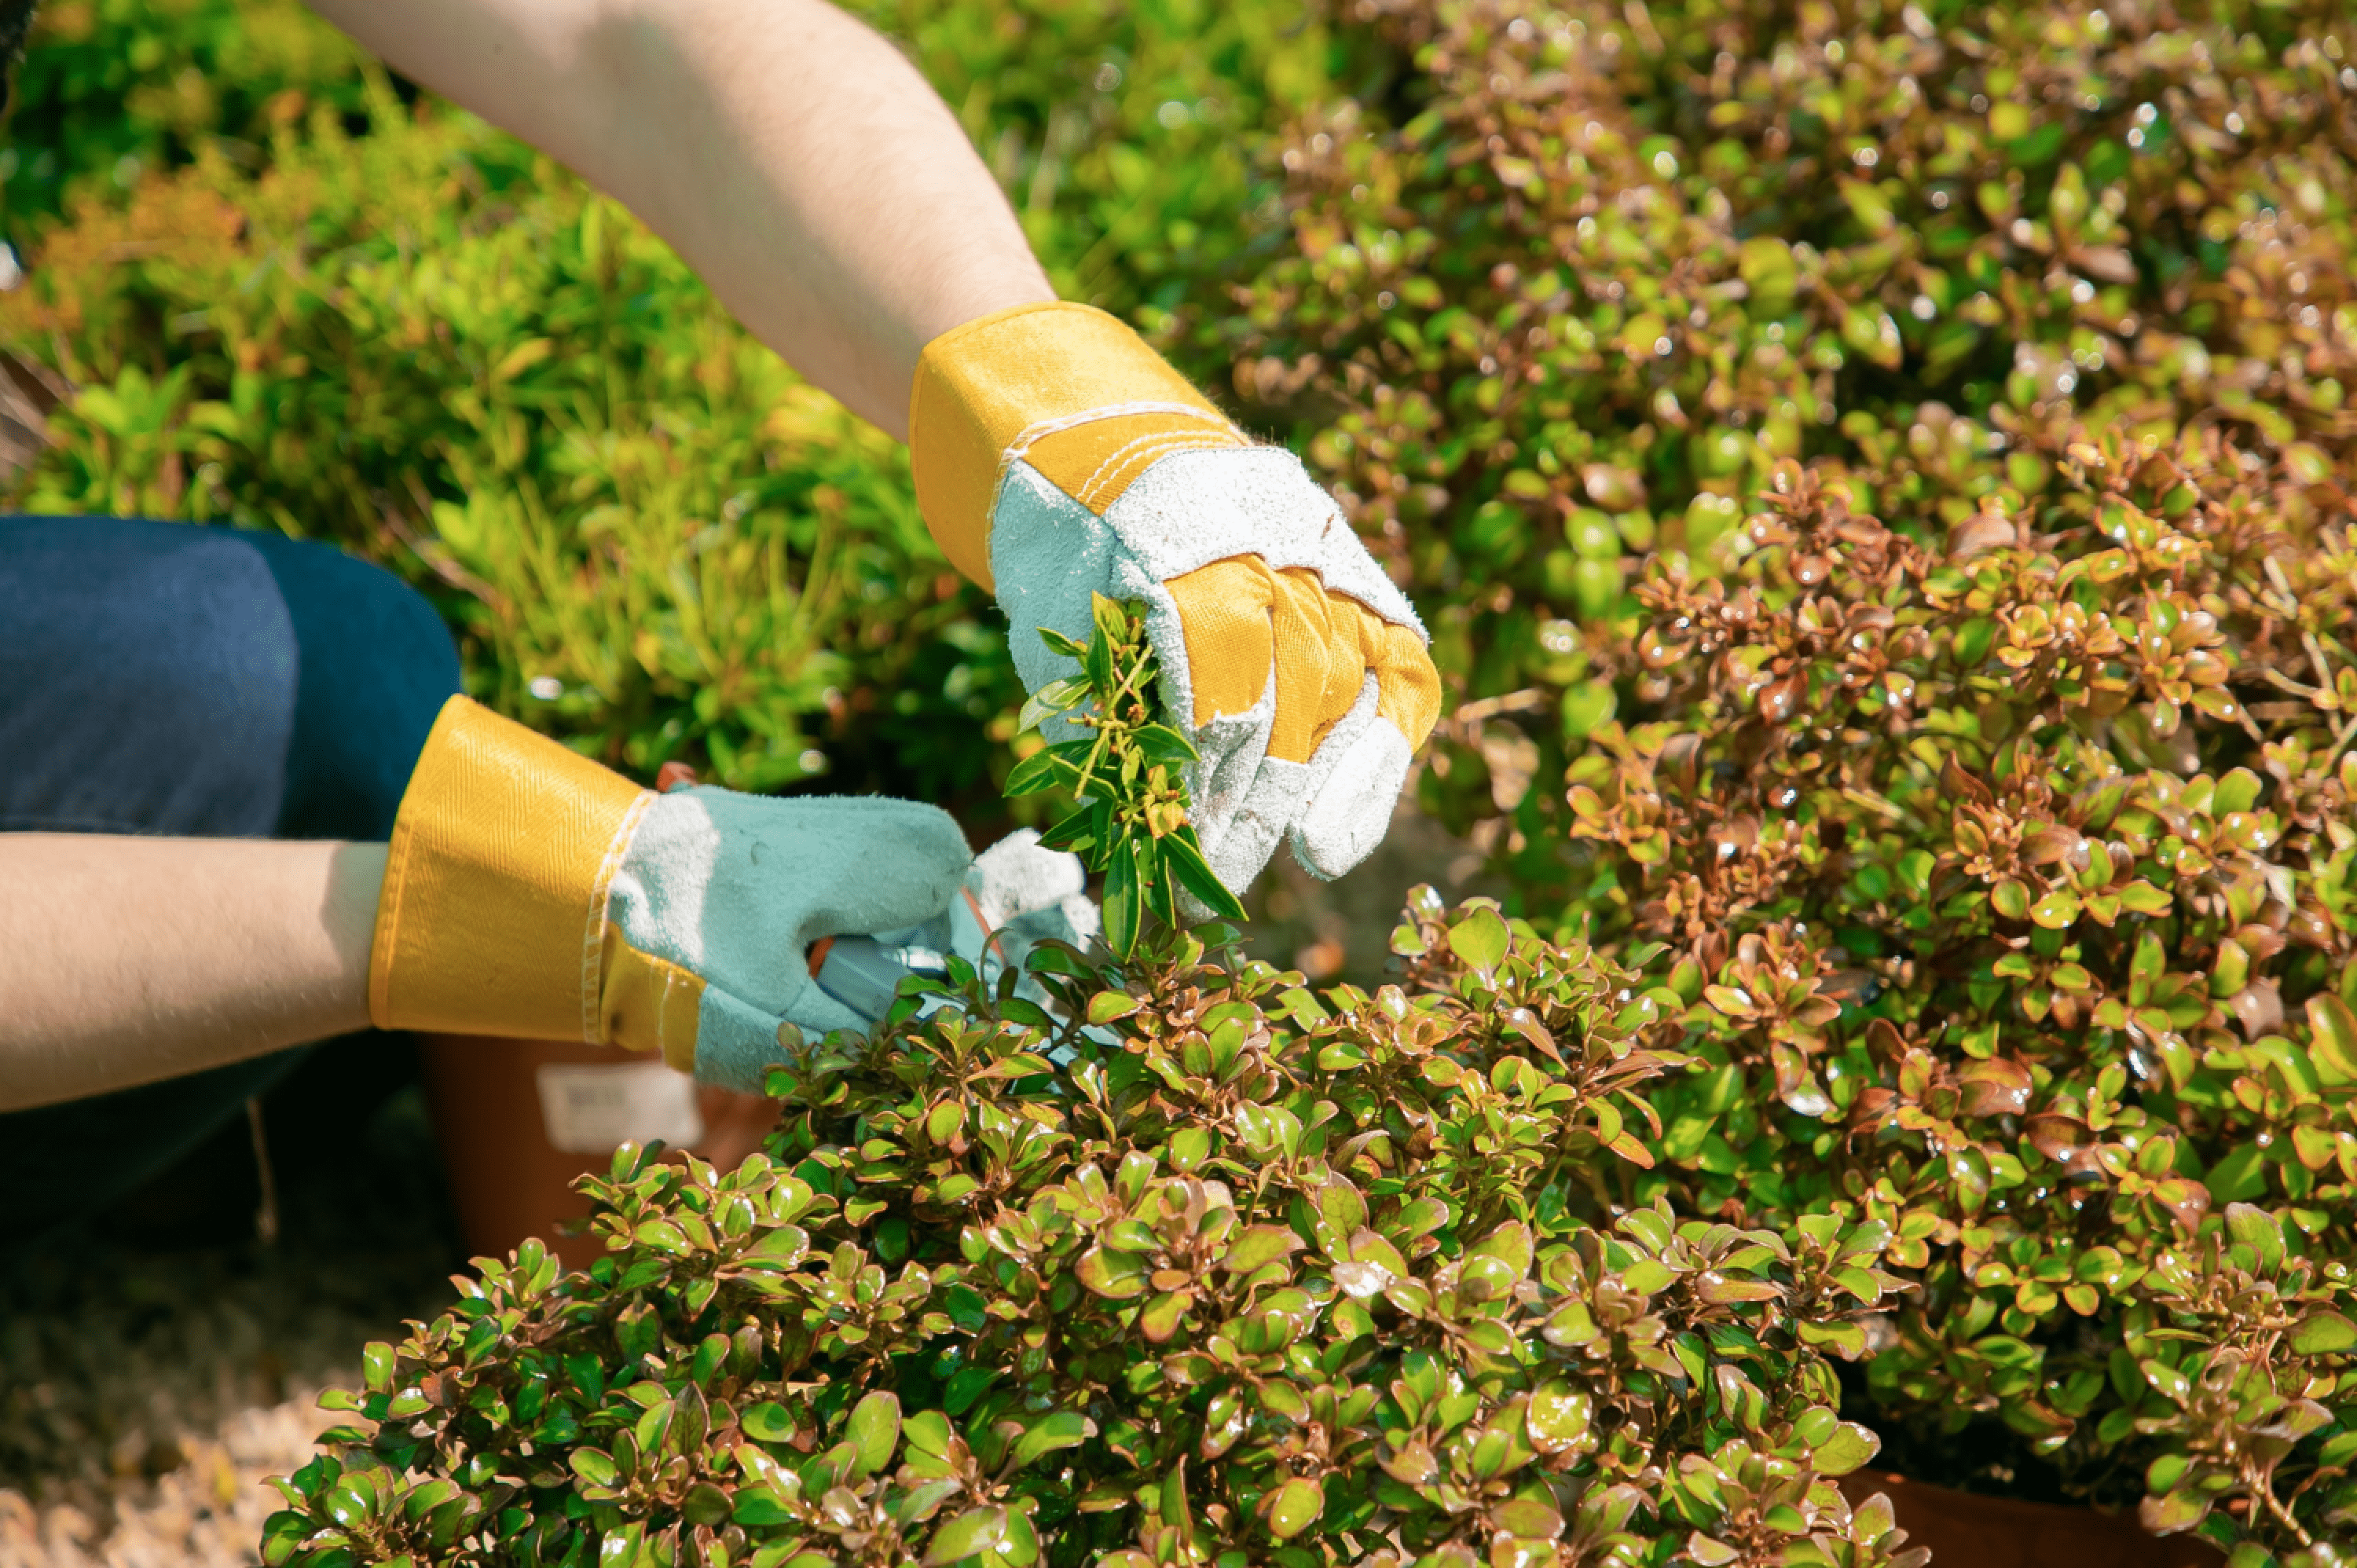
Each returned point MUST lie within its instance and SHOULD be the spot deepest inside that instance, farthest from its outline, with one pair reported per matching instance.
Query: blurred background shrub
(290, 292)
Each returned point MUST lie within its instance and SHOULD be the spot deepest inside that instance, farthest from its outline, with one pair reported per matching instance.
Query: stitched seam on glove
(593, 930)
(387, 938)
(1032, 435)
(1111, 478)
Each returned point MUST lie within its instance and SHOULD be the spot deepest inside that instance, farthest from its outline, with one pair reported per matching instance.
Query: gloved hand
(1056, 454)
(530, 892)
(1024, 894)
(1018, 896)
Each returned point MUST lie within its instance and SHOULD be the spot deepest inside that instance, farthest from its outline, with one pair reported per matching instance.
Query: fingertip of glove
(935, 832)
(1409, 684)
(1354, 808)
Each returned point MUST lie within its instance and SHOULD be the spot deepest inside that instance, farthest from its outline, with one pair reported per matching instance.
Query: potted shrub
(1877, 479)
(1257, 1271)
(1541, 1253)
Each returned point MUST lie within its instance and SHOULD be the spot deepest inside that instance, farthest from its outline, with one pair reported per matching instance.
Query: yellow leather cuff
(1002, 382)
(492, 917)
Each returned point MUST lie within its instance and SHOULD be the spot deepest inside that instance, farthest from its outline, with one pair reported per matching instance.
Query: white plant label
(591, 1108)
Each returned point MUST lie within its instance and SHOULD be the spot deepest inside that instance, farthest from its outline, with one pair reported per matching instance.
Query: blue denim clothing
(158, 678)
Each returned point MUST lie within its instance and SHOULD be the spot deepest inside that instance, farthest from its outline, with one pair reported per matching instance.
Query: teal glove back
(732, 889)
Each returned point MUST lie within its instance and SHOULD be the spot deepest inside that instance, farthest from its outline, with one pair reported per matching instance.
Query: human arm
(812, 176)
(527, 892)
(125, 960)
(791, 155)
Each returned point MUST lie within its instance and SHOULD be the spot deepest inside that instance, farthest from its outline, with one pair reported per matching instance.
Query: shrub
(1974, 772)
(1568, 291)
(1879, 491)
(111, 90)
(1253, 1276)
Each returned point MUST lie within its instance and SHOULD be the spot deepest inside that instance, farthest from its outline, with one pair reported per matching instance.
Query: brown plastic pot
(521, 1120)
(1967, 1530)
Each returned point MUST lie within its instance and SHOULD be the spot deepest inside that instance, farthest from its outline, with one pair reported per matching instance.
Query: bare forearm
(127, 959)
(797, 162)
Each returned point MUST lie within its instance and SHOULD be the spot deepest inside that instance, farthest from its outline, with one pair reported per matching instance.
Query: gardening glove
(1018, 894)
(1056, 456)
(1025, 894)
(530, 892)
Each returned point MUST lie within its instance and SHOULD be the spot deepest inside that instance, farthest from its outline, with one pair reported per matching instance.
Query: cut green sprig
(1130, 823)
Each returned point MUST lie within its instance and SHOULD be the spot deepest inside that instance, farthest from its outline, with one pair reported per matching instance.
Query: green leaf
(1509, 1244)
(1117, 1275)
(767, 1422)
(595, 1466)
(1110, 616)
(1646, 1277)
(2177, 1511)
(1709, 1551)
(759, 1507)
(2257, 1229)
(1054, 697)
(974, 1531)
(1057, 1429)
(1159, 1319)
(1123, 902)
(1047, 769)
(2332, 1039)
(1480, 940)
(1106, 1007)
(1850, 1447)
(1295, 1507)
(1165, 744)
(1559, 1416)
(2172, 1384)
(2056, 910)
(2323, 1333)
(282, 1536)
(1258, 1246)
(2241, 1174)
(1185, 855)
(928, 1432)
(967, 1385)
(874, 1430)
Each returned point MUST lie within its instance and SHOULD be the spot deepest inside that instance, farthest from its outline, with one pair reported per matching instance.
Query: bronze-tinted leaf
(1998, 1087)
(2060, 1138)
(1960, 785)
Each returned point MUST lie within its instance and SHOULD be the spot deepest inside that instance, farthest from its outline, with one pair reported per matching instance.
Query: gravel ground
(159, 1362)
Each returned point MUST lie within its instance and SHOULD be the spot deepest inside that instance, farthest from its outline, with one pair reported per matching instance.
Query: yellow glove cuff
(492, 917)
(993, 387)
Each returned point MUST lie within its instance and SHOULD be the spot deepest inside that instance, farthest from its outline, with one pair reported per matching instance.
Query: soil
(160, 1360)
